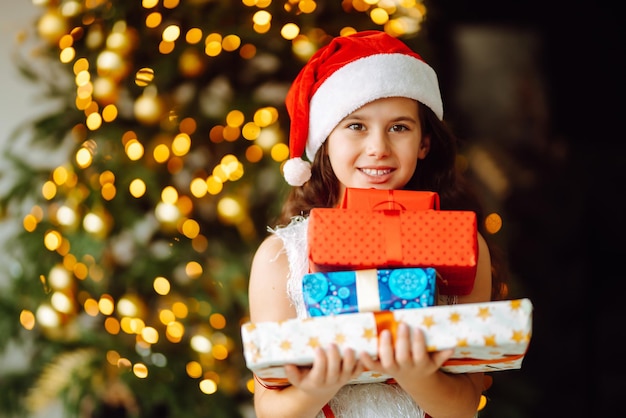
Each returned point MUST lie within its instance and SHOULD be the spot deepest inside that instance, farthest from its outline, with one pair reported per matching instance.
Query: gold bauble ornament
(52, 26)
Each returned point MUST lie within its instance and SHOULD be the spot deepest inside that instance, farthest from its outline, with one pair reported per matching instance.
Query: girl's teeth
(375, 172)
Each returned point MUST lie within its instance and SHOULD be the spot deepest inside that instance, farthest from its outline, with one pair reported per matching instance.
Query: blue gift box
(372, 290)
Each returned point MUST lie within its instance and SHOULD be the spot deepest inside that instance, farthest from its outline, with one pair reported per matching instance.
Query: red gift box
(346, 238)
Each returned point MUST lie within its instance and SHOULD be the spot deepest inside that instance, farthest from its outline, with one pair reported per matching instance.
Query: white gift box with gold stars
(486, 337)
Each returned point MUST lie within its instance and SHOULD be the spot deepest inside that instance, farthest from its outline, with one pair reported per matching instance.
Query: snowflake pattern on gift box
(333, 293)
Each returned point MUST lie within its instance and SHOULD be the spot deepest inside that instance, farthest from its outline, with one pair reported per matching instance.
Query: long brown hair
(437, 172)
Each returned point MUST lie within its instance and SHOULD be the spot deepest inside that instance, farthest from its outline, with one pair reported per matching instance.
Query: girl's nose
(378, 144)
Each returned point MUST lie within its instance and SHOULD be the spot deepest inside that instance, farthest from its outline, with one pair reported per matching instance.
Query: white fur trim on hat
(296, 171)
(365, 80)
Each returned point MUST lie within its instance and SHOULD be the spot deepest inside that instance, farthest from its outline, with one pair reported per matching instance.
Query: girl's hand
(407, 360)
(329, 372)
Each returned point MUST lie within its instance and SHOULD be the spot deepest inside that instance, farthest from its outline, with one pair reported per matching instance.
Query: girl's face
(378, 145)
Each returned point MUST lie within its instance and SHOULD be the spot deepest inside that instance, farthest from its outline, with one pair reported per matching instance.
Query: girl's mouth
(375, 172)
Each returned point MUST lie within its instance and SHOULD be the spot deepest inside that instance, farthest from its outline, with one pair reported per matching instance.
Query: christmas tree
(129, 274)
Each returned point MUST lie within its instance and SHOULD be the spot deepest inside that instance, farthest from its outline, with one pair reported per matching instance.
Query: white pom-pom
(297, 171)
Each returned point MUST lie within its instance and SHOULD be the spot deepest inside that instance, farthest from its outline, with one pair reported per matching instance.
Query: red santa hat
(344, 75)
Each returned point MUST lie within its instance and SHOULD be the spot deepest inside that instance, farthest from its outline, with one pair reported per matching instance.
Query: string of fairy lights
(101, 101)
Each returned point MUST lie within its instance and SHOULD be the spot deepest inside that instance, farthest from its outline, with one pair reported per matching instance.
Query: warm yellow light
(83, 158)
(208, 386)
(198, 187)
(262, 18)
(493, 223)
(106, 305)
(201, 344)
(140, 370)
(47, 316)
(181, 144)
(134, 150)
(161, 285)
(290, 31)
(254, 153)
(169, 195)
(171, 33)
(220, 352)
(379, 16)
(166, 316)
(93, 223)
(235, 118)
(265, 116)
(108, 191)
(67, 55)
(27, 319)
(49, 190)
(161, 153)
(280, 152)
(52, 240)
(175, 331)
(214, 185)
(61, 302)
(170, 4)
(193, 269)
(150, 335)
(307, 6)
(250, 131)
(149, 4)
(30, 222)
(109, 113)
(137, 188)
(217, 321)
(60, 175)
(231, 43)
(213, 48)
(194, 369)
(91, 307)
(112, 325)
(193, 36)
(66, 215)
(180, 310)
(153, 20)
(191, 228)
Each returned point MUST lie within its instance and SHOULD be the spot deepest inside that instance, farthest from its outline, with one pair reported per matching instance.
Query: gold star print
(340, 339)
(428, 321)
(490, 340)
(250, 326)
(483, 313)
(314, 342)
(461, 342)
(285, 345)
(369, 333)
(518, 336)
(454, 317)
(516, 304)
(254, 350)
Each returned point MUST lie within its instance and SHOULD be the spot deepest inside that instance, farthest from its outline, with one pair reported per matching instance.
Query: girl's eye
(399, 128)
(356, 126)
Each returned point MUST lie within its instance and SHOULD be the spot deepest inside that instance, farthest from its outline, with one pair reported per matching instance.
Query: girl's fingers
(403, 345)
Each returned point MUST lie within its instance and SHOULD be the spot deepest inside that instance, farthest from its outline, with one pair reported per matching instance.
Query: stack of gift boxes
(382, 257)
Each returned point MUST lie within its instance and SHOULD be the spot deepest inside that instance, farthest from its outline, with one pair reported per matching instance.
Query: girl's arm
(311, 388)
(440, 394)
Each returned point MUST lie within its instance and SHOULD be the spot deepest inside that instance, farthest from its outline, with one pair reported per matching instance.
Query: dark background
(564, 213)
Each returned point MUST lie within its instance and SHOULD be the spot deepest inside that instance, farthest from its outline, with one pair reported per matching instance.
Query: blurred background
(140, 152)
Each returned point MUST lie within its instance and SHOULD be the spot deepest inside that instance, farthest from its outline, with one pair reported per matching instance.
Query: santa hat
(344, 75)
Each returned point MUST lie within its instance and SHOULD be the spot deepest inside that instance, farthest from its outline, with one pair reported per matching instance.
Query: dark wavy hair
(437, 172)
